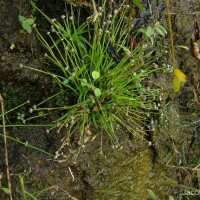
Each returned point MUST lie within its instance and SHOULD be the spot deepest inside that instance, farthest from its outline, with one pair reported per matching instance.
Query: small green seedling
(12, 46)
(95, 76)
(151, 31)
(26, 23)
(20, 116)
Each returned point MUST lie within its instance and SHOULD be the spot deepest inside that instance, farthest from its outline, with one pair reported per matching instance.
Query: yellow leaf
(176, 84)
(178, 80)
(180, 75)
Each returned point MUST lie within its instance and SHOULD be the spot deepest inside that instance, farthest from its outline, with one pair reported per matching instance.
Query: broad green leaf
(21, 18)
(150, 31)
(97, 92)
(30, 21)
(95, 75)
(27, 27)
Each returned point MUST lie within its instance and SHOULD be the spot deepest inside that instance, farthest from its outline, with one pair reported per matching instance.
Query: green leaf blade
(21, 18)
(139, 5)
(26, 27)
(30, 21)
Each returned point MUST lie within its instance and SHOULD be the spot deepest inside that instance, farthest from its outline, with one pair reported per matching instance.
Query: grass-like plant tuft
(103, 81)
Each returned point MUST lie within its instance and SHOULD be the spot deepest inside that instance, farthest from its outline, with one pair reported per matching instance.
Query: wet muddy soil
(126, 172)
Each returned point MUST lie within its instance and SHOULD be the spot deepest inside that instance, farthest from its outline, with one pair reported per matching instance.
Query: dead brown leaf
(96, 108)
(87, 130)
(195, 50)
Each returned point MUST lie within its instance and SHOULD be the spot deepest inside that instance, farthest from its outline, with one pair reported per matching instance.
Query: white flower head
(108, 22)
(116, 11)
(34, 107)
(109, 16)
(30, 110)
(53, 20)
(100, 9)
(52, 29)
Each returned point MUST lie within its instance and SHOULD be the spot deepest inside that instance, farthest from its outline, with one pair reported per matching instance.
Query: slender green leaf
(21, 180)
(162, 28)
(139, 5)
(6, 190)
(109, 191)
(152, 195)
(142, 30)
(30, 195)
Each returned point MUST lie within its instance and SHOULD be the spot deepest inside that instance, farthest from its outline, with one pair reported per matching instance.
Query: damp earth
(133, 170)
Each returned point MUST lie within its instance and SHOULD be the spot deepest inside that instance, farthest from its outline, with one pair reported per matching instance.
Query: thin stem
(170, 32)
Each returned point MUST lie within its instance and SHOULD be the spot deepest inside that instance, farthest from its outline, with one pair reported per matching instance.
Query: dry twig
(5, 146)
